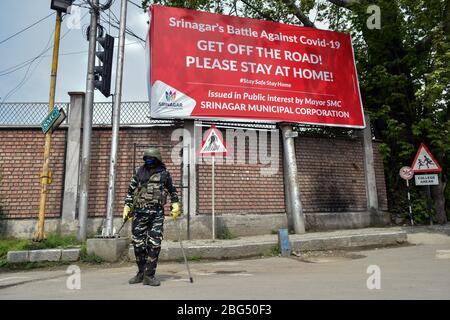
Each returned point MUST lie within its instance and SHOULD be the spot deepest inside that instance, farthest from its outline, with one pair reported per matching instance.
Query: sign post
(213, 144)
(426, 162)
(407, 173)
(212, 200)
(53, 120)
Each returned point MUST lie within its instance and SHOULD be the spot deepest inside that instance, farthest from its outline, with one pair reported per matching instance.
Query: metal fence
(26, 114)
(137, 113)
(30, 114)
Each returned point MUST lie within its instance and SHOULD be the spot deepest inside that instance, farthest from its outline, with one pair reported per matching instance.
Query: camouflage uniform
(148, 214)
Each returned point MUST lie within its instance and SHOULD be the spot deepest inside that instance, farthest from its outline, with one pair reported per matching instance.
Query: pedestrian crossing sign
(425, 161)
(213, 143)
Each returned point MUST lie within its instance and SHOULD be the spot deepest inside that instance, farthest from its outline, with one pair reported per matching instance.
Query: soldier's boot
(140, 261)
(150, 267)
(138, 278)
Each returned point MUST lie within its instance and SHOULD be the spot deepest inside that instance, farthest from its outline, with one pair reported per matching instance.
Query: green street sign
(53, 120)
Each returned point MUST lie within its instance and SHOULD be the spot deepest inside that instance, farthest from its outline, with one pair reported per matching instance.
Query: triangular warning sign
(425, 161)
(213, 144)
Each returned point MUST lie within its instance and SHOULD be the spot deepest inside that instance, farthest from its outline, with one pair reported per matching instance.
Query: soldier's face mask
(149, 161)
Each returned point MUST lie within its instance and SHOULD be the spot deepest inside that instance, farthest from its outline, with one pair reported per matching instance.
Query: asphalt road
(412, 272)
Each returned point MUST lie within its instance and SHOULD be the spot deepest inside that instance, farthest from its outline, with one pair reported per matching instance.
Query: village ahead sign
(205, 65)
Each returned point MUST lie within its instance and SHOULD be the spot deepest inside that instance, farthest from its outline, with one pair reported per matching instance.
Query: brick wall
(100, 157)
(21, 159)
(241, 188)
(331, 174)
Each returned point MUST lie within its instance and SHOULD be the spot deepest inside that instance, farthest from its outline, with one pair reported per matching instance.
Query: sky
(33, 81)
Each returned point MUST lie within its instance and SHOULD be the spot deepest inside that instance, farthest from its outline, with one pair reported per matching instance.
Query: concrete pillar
(290, 165)
(369, 167)
(72, 161)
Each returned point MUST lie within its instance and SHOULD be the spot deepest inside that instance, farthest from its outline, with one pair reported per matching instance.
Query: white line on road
(10, 278)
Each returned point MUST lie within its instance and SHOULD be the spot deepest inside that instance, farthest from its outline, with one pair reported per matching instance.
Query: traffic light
(61, 5)
(103, 72)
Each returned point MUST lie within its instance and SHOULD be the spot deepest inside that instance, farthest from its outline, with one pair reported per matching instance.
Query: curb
(240, 248)
(235, 249)
(43, 255)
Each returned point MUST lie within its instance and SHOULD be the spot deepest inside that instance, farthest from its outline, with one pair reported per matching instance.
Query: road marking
(225, 264)
(4, 279)
(443, 254)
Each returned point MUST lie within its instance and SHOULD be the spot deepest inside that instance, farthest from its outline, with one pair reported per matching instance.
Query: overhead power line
(28, 74)
(25, 29)
(25, 63)
(128, 31)
(140, 7)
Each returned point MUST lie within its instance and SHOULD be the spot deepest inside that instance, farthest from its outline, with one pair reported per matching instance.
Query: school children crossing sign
(213, 144)
(425, 161)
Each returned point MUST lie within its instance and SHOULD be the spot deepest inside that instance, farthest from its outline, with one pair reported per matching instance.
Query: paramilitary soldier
(147, 194)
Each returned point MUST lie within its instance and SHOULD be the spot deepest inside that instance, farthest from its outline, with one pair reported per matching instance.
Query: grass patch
(190, 258)
(31, 265)
(52, 241)
(89, 258)
(272, 252)
(225, 234)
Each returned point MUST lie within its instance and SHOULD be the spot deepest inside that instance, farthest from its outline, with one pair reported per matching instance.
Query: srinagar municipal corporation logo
(171, 96)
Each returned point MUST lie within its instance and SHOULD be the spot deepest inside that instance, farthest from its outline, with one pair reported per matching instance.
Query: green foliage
(53, 241)
(421, 215)
(11, 245)
(403, 69)
(272, 252)
(189, 258)
(89, 258)
(225, 234)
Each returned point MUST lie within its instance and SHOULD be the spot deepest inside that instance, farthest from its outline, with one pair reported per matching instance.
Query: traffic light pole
(45, 175)
(116, 121)
(87, 128)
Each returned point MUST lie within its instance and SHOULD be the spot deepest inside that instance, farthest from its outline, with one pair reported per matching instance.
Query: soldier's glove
(175, 210)
(126, 213)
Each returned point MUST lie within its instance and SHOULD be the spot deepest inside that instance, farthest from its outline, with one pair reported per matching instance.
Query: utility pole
(45, 176)
(116, 121)
(290, 164)
(87, 126)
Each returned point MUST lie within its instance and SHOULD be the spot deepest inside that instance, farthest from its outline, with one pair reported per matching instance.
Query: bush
(420, 211)
(225, 234)
(89, 258)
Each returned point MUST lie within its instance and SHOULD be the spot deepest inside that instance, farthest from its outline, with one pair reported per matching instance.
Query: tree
(404, 71)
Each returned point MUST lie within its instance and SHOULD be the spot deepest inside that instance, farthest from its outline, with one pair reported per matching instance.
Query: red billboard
(204, 65)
